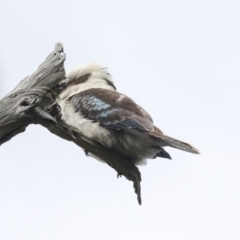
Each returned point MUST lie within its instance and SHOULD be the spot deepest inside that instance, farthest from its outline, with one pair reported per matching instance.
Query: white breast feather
(87, 127)
(96, 80)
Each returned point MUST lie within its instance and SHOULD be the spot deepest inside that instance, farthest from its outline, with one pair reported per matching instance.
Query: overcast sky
(180, 60)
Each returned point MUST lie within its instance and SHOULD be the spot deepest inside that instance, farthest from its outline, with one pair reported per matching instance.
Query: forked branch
(33, 101)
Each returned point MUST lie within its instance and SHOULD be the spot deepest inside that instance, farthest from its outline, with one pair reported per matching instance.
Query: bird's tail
(172, 142)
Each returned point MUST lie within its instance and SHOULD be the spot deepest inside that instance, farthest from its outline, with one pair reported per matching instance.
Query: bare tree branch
(33, 101)
(15, 108)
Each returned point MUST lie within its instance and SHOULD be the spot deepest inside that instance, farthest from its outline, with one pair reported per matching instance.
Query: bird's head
(86, 77)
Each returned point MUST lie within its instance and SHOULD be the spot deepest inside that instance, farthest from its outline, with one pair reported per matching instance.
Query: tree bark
(33, 102)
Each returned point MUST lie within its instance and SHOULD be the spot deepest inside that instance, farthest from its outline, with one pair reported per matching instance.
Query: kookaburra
(91, 103)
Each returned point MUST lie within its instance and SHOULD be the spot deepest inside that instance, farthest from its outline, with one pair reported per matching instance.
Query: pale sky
(180, 60)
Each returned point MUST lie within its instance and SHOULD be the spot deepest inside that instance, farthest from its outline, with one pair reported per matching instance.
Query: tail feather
(179, 144)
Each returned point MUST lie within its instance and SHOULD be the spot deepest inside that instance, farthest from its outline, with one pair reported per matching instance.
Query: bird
(91, 103)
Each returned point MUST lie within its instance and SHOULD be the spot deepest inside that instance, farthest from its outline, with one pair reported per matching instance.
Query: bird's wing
(112, 110)
(116, 111)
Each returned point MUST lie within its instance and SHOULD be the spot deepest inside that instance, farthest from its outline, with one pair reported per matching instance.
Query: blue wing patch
(92, 103)
(103, 106)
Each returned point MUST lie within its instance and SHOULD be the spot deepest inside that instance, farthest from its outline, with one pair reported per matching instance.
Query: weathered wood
(15, 108)
(91, 147)
(33, 101)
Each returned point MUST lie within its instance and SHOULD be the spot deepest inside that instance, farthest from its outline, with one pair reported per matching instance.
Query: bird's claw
(119, 175)
(86, 152)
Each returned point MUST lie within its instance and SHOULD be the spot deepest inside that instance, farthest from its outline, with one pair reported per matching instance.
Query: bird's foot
(119, 175)
(86, 152)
